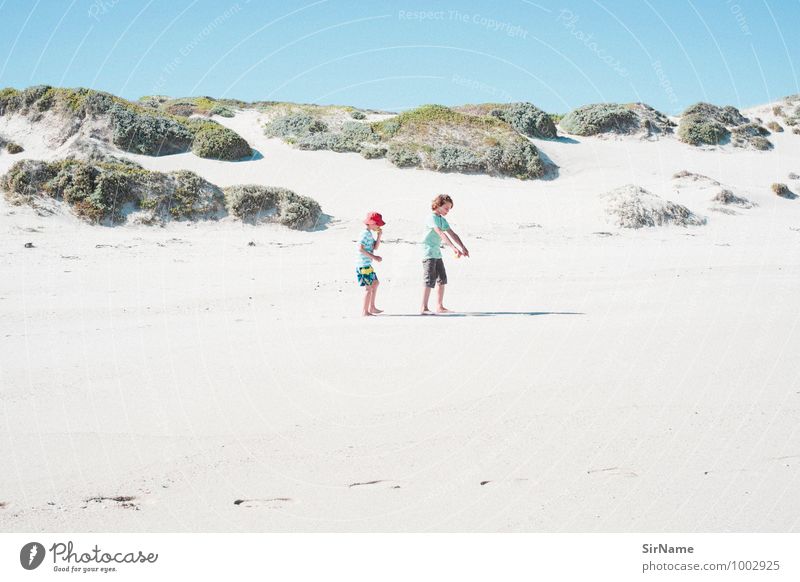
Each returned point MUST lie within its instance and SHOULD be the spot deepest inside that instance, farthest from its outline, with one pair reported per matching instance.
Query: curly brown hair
(441, 200)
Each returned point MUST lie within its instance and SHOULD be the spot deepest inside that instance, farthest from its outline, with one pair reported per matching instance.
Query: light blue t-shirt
(432, 243)
(369, 244)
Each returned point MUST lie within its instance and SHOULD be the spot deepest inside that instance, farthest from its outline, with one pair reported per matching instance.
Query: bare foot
(376, 311)
(443, 310)
(366, 314)
(426, 311)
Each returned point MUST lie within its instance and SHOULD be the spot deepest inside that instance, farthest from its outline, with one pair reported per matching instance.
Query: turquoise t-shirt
(369, 244)
(432, 243)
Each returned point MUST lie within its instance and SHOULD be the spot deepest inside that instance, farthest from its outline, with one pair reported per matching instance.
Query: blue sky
(396, 55)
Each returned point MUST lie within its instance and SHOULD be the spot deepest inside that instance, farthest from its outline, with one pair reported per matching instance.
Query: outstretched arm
(453, 234)
(446, 239)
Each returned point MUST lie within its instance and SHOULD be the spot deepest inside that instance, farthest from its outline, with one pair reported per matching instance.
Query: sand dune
(595, 378)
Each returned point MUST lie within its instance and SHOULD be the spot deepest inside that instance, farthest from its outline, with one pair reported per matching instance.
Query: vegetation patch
(707, 124)
(525, 118)
(432, 137)
(783, 191)
(633, 207)
(728, 198)
(698, 130)
(751, 135)
(212, 140)
(144, 128)
(601, 118)
(255, 203)
(109, 192)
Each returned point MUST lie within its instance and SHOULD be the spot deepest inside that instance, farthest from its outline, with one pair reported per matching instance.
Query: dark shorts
(433, 272)
(366, 276)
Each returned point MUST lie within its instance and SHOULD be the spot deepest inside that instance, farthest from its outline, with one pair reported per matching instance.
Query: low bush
(453, 158)
(221, 110)
(358, 115)
(106, 192)
(751, 135)
(775, 126)
(403, 156)
(152, 135)
(728, 115)
(728, 198)
(372, 152)
(600, 118)
(520, 160)
(527, 119)
(631, 206)
(782, 190)
(295, 125)
(698, 130)
(254, 203)
(220, 143)
(14, 148)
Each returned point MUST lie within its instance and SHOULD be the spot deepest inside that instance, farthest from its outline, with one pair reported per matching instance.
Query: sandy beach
(217, 376)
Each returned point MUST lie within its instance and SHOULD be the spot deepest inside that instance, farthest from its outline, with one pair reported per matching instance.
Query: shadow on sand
(483, 314)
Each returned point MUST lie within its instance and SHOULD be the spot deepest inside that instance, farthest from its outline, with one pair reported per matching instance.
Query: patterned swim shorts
(366, 276)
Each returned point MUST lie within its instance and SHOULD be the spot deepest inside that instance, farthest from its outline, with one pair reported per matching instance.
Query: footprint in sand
(504, 481)
(270, 503)
(126, 501)
(616, 471)
(381, 483)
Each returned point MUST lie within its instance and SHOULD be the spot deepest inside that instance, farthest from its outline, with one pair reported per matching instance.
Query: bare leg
(372, 309)
(367, 300)
(426, 293)
(440, 308)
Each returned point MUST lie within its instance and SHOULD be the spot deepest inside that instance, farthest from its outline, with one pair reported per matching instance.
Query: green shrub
(696, 129)
(325, 140)
(254, 202)
(105, 192)
(520, 160)
(600, 118)
(149, 134)
(403, 156)
(527, 119)
(351, 138)
(295, 125)
(752, 135)
(782, 190)
(221, 110)
(728, 115)
(453, 158)
(220, 143)
(358, 115)
(181, 109)
(372, 152)
(14, 148)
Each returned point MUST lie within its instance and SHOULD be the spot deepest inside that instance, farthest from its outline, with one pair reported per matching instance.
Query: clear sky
(395, 55)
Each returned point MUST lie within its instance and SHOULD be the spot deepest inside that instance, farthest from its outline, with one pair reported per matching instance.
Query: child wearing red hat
(366, 254)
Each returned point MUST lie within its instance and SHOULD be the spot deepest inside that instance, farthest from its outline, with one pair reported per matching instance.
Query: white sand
(642, 381)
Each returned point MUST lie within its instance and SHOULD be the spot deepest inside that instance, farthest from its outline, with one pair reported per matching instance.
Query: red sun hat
(374, 217)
